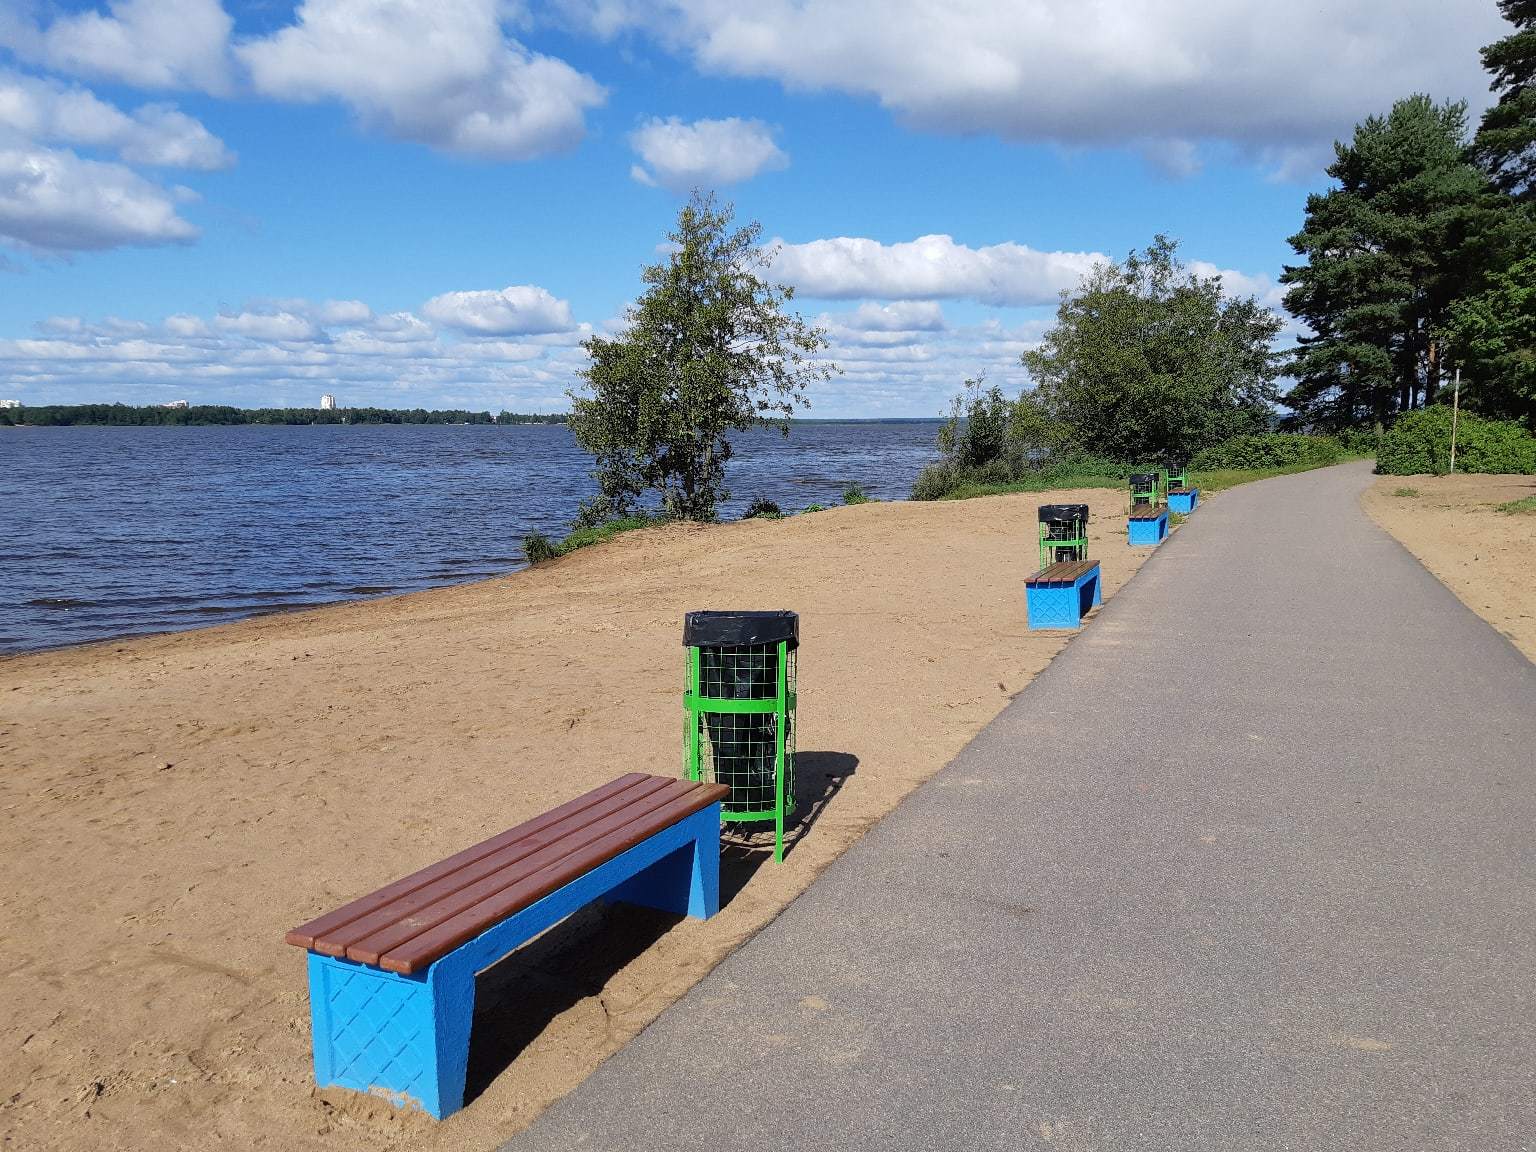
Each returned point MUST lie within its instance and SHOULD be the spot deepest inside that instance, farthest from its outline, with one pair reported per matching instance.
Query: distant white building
(327, 403)
(174, 404)
(10, 403)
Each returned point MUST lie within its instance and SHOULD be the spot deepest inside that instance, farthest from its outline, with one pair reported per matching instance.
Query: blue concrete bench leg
(1183, 502)
(1140, 533)
(407, 1037)
(1064, 606)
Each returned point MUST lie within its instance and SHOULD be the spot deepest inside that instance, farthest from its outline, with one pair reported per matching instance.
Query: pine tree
(1505, 145)
(1406, 232)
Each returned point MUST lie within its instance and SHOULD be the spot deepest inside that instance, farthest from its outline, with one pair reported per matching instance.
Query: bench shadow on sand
(517, 998)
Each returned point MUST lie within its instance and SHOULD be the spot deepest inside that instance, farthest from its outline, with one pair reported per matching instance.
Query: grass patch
(813, 508)
(854, 494)
(1409, 492)
(538, 547)
(1046, 482)
(1523, 507)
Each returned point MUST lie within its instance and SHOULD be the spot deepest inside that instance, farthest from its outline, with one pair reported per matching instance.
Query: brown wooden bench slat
(448, 897)
(448, 935)
(1061, 572)
(1148, 511)
(633, 801)
(1179, 491)
(305, 935)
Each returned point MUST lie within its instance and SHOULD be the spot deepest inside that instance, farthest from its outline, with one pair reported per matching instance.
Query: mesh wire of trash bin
(739, 705)
(1144, 489)
(1172, 480)
(1063, 533)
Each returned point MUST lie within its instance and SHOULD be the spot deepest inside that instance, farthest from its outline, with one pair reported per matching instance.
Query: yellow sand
(170, 806)
(1486, 557)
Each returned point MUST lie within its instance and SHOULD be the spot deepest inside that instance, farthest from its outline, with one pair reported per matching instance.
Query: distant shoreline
(497, 422)
(182, 414)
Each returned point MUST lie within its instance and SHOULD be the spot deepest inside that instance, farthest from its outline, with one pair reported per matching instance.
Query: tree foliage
(709, 348)
(1505, 145)
(1493, 337)
(1408, 230)
(1150, 361)
(977, 431)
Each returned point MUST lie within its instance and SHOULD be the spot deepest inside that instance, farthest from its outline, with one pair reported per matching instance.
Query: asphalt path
(1251, 865)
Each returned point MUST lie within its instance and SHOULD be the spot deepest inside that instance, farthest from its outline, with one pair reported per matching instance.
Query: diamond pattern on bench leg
(375, 1031)
(1146, 533)
(1053, 607)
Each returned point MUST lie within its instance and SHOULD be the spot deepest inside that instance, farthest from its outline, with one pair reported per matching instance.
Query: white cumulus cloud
(901, 316)
(681, 156)
(283, 327)
(929, 268)
(1254, 73)
(1234, 283)
(52, 201)
(438, 72)
(154, 134)
(520, 310)
(145, 43)
(285, 353)
(344, 312)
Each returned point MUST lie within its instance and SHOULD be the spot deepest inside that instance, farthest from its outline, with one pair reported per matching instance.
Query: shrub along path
(1249, 866)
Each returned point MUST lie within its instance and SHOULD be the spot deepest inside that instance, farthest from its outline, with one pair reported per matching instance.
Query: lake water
(109, 532)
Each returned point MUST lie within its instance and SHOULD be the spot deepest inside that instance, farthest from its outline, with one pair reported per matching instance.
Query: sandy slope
(1486, 557)
(170, 806)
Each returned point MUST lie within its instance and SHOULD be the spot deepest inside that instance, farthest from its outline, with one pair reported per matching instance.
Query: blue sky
(432, 202)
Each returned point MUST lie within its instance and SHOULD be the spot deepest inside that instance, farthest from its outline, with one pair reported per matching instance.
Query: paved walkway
(1251, 865)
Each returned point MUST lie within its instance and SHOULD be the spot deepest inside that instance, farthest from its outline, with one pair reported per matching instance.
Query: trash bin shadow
(819, 776)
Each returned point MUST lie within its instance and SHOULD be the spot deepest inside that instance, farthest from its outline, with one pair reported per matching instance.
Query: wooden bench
(1147, 524)
(1183, 500)
(392, 975)
(1060, 595)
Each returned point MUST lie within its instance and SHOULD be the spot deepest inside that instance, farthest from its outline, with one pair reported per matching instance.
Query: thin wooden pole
(1455, 413)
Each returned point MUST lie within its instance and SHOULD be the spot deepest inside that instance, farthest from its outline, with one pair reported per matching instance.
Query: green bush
(539, 548)
(854, 494)
(1359, 441)
(814, 508)
(1420, 443)
(944, 480)
(935, 482)
(762, 509)
(1270, 450)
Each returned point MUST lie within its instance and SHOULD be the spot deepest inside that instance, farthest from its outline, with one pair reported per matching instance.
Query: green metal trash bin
(1063, 533)
(739, 709)
(1174, 479)
(1144, 489)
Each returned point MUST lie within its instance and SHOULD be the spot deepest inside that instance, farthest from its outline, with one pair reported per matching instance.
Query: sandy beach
(169, 806)
(1487, 557)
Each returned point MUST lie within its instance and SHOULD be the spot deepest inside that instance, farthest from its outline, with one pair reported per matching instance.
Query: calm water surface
(108, 532)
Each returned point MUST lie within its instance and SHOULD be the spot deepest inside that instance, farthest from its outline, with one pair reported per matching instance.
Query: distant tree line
(154, 415)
